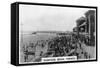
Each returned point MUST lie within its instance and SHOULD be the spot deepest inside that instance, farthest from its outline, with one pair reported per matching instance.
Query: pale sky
(49, 18)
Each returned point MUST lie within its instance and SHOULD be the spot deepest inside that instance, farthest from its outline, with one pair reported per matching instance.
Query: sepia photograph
(56, 34)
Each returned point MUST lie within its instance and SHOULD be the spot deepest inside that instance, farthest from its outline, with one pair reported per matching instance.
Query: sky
(48, 18)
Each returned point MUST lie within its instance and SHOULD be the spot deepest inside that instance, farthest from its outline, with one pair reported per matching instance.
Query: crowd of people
(70, 45)
(63, 45)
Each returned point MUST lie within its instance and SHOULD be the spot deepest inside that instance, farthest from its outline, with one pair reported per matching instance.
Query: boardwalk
(34, 47)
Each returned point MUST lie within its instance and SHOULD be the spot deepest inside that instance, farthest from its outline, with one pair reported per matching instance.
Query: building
(90, 19)
(81, 25)
(86, 25)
